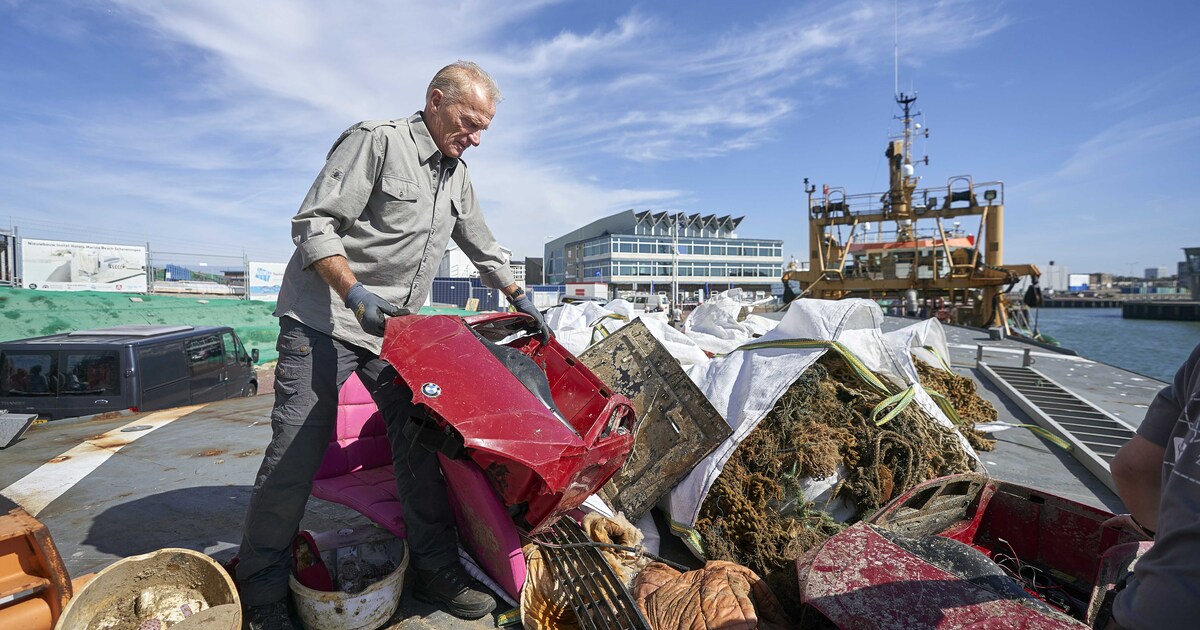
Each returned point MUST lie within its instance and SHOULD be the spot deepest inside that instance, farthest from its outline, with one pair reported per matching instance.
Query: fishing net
(964, 398)
(755, 513)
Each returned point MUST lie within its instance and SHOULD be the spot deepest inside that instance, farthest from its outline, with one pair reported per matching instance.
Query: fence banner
(546, 295)
(70, 266)
(264, 280)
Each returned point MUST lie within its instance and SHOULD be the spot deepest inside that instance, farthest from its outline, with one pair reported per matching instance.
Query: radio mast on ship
(917, 261)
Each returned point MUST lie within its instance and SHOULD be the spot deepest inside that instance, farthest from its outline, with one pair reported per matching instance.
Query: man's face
(457, 126)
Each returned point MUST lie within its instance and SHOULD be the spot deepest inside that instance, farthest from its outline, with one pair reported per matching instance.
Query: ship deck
(1023, 457)
(185, 482)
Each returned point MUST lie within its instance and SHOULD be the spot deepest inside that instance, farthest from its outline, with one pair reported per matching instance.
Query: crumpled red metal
(535, 459)
(968, 551)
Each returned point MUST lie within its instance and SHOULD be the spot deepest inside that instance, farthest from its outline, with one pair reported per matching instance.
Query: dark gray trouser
(312, 368)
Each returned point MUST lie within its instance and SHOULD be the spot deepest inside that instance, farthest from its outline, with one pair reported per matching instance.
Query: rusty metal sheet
(677, 426)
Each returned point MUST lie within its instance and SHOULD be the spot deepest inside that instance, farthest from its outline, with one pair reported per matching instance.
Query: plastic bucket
(169, 585)
(365, 610)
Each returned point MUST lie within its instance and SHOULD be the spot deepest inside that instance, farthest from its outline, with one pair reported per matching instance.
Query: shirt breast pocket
(399, 189)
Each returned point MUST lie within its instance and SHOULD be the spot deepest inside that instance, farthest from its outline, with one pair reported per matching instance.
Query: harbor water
(1150, 347)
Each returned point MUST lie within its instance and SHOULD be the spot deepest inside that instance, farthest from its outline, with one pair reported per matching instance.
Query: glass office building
(646, 251)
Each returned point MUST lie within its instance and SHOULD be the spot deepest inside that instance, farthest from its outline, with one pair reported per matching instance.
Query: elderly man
(1157, 474)
(369, 237)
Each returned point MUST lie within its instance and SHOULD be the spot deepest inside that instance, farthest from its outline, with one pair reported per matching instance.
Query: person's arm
(1137, 473)
(1137, 467)
(476, 241)
(334, 202)
(369, 309)
(337, 197)
(1161, 592)
(335, 271)
(521, 302)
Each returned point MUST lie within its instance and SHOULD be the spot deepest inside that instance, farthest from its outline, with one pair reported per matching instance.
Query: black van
(141, 368)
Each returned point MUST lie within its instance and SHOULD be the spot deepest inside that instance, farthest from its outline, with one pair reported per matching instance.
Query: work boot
(273, 616)
(460, 593)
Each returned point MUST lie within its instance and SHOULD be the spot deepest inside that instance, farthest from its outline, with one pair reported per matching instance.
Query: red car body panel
(861, 577)
(530, 455)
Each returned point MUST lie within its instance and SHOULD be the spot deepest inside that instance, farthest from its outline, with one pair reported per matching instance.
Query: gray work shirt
(388, 201)
(1164, 591)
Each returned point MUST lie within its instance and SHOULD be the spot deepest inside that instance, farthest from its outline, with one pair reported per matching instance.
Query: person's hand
(369, 309)
(525, 305)
(1127, 523)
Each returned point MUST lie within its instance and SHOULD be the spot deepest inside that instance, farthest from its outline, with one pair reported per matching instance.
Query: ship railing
(959, 192)
(924, 234)
(932, 261)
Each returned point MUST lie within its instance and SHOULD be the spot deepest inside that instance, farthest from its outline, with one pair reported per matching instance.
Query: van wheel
(251, 390)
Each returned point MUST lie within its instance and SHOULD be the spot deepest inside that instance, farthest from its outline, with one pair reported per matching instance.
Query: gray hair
(456, 78)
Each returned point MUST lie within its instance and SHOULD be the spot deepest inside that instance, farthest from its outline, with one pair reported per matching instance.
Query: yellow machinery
(918, 256)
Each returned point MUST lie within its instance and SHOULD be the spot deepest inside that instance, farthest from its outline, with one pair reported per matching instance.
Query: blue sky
(199, 126)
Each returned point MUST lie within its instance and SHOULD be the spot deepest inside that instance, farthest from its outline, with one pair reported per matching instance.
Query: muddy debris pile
(756, 514)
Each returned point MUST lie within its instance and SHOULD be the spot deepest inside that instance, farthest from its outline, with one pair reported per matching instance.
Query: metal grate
(1094, 434)
(598, 598)
(676, 425)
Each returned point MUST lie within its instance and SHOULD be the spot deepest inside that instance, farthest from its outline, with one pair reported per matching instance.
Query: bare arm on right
(1137, 473)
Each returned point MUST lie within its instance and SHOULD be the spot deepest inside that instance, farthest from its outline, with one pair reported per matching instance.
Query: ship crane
(920, 259)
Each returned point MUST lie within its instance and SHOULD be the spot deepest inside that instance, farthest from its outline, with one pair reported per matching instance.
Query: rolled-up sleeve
(476, 241)
(1170, 402)
(337, 197)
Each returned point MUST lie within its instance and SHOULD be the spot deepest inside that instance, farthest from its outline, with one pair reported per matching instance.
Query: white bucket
(365, 610)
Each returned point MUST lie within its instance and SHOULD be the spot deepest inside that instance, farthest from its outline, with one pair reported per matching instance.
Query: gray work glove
(525, 305)
(369, 309)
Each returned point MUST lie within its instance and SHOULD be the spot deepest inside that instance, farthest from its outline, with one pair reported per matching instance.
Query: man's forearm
(335, 271)
(511, 289)
(1137, 473)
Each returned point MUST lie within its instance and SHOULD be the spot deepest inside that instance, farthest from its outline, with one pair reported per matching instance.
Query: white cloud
(1113, 150)
(1118, 188)
(270, 83)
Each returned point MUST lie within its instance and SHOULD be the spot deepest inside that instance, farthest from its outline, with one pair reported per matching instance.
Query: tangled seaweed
(964, 398)
(755, 513)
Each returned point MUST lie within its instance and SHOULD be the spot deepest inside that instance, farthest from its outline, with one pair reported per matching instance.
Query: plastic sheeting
(715, 325)
(578, 327)
(926, 340)
(745, 385)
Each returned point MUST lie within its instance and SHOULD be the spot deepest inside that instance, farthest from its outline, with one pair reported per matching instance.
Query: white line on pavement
(42, 486)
